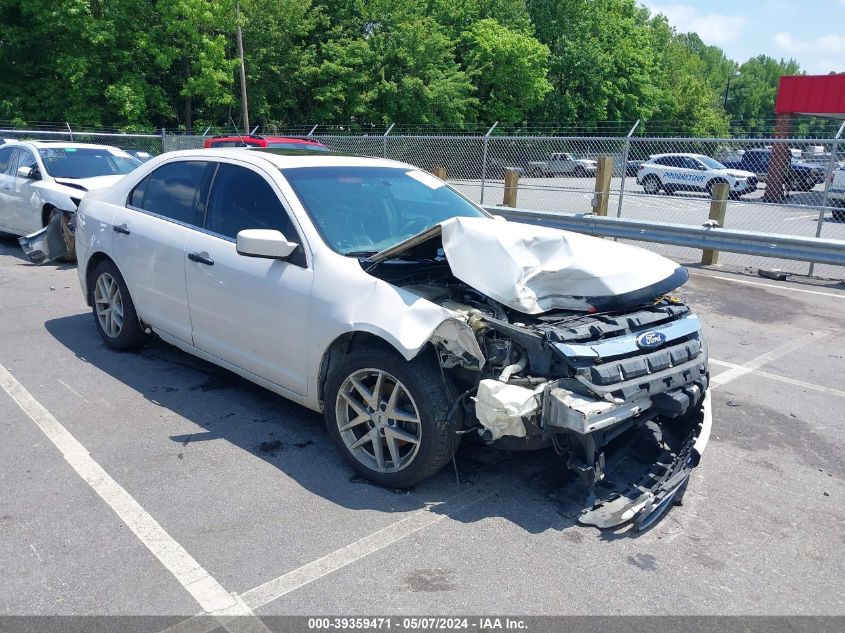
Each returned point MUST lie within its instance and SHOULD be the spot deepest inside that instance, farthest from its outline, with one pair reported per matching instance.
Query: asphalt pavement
(251, 499)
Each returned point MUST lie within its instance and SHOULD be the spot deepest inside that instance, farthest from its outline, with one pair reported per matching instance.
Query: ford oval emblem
(650, 340)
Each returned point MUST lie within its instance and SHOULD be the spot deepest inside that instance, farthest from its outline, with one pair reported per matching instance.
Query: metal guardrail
(807, 249)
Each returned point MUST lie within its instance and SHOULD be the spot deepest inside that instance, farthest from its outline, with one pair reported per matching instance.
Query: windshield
(363, 210)
(712, 163)
(301, 146)
(86, 162)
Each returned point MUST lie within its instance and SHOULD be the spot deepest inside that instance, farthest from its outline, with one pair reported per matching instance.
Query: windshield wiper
(360, 253)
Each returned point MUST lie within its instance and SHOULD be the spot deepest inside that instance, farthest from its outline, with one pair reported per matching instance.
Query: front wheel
(67, 234)
(580, 172)
(387, 417)
(114, 312)
(838, 215)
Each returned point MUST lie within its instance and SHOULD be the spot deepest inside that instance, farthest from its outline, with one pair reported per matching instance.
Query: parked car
(563, 164)
(691, 172)
(632, 167)
(276, 142)
(353, 286)
(43, 181)
(800, 175)
(141, 154)
(836, 193)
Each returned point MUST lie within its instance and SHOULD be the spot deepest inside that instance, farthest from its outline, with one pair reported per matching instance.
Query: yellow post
(602, 195)
(511, 186)
(718, 207)
(440, 172)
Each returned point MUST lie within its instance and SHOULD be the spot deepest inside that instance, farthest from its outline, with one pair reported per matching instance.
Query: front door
(252, 312)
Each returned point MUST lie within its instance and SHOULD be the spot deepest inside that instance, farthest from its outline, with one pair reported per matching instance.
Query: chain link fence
(778, 185)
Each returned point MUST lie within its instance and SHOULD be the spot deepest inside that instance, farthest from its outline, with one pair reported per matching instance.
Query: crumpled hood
(89, 184)
(533, 269)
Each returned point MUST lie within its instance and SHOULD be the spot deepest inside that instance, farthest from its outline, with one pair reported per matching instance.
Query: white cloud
(825, 44)
(712, 28)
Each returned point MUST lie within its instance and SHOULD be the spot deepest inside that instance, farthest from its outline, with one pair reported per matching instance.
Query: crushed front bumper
(48, 243)
(644, 502)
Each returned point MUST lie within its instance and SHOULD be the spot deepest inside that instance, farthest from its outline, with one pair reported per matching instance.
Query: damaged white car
(41, 184)
(372, 291)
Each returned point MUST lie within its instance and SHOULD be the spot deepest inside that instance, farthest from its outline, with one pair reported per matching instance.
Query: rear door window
(5, 159)
(172, 191)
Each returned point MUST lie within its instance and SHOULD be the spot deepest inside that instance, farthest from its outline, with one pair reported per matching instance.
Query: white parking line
(308, 573)
(755, 363)
(802, 217)
(210, 595)
(785, 379)
(757, 283)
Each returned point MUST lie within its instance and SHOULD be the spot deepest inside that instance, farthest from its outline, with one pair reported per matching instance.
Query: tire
(69, 236)
(422, 396)
(838, 215)
(652, 185)
(580, 172)
(109, 291)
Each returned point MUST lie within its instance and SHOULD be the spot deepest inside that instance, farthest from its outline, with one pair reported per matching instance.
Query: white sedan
(42, 181)
(373, 292)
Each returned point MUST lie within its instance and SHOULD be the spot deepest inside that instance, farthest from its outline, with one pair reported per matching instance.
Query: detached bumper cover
(645, 502)
(48, 243)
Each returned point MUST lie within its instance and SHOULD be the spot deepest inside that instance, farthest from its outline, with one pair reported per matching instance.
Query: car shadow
(293, 439)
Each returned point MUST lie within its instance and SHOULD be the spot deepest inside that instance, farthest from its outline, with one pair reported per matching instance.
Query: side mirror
(264, 243)
(29, 172)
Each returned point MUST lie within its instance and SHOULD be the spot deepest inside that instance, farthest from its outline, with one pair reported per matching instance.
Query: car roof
(285, 159)
(48, 144)
(270, 139)
(653, 156)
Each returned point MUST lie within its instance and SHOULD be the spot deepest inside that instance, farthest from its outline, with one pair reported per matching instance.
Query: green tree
(508, 69)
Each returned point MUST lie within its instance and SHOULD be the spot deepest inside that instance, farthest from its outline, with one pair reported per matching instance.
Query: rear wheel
(387, 417)
(651, 185)
(839, 215)
(114, 312)
(580, 172)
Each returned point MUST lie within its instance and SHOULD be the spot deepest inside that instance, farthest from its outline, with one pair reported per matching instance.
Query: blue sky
(810, 31)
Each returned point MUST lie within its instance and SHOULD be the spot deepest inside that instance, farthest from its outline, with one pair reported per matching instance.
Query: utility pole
(244, 105)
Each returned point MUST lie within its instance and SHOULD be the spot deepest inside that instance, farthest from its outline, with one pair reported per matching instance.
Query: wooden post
(511, 186)
(602, 195)
(718, 207)
(440, 172)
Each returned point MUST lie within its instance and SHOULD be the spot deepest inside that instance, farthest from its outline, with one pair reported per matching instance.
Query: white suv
(692, 172)
(41, 181)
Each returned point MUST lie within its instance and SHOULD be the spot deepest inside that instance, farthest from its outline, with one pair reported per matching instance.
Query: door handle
(200, 259)
(121, 229)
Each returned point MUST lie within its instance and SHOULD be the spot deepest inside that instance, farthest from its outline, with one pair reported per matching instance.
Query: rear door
(249, 311)
(7, 181)
(149, 238)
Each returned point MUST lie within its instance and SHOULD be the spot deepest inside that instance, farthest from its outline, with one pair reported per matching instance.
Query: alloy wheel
(378, 420)
(108, 303)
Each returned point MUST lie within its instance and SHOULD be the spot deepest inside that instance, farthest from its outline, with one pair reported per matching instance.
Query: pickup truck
(800, 176)
(563, 163)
